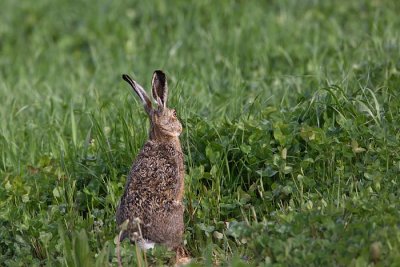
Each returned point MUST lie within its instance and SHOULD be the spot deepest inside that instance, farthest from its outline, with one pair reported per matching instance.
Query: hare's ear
(160, 88)
(139, 91)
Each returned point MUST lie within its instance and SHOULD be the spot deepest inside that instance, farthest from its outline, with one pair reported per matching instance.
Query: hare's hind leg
(182, 256)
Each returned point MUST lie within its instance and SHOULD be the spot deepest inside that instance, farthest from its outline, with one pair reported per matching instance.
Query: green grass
(291, 112)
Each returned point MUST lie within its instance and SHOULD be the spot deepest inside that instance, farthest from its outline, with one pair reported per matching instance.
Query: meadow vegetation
(291, 114)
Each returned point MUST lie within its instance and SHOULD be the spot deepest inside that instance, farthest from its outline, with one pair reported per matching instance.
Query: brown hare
(152, 200)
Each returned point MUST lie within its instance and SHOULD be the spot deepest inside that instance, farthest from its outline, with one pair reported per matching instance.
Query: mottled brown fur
(153, 194)
(155, 185)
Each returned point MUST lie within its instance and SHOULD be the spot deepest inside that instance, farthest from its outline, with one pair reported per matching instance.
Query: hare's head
(163, 121)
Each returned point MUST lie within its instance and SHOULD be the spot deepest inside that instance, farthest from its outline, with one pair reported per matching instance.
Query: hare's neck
(157, 137)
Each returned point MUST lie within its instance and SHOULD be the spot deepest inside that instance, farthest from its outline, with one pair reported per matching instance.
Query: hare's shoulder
(158, 155)
(164, 150)
(158, 165)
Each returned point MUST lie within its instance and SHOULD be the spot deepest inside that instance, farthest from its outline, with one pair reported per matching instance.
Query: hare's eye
(174, 113)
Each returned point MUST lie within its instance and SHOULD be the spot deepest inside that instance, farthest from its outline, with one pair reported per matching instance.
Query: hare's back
(154, 181)
(157, 169)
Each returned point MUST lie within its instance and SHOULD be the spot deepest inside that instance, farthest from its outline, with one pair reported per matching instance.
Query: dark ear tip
(160, 75)
(125, 76)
